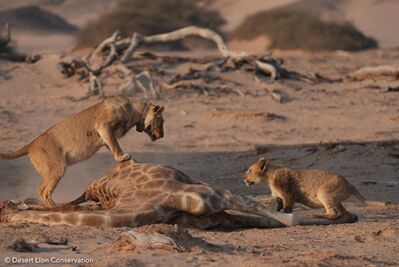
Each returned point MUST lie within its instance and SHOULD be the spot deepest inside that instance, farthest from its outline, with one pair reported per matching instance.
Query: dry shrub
(5, 48)
(290, 29)
(148, 17)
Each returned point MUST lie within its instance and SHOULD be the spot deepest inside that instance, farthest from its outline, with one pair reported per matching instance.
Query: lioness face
(153, 123)
(254, 174)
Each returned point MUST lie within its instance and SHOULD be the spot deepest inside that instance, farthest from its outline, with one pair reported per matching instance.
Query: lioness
(311, 187)
(80, 136)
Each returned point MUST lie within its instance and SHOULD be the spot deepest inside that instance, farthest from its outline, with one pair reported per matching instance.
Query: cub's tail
(15, 154)
(359, 196)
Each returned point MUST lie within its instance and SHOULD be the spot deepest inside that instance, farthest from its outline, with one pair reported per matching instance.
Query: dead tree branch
(374, 72)
(139, 77)
(137, 40)
(96, 87)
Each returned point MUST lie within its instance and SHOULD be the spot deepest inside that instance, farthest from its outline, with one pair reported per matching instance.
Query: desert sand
(348, 127)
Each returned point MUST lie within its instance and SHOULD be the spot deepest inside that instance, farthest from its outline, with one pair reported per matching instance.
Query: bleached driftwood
(137, 40)
(268, 69)
(96, 87)
(374, 72)
(110, 40)
(121, 50)
(134, 82)
(153, 241)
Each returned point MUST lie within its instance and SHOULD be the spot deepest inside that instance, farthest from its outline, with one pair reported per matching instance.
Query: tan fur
(311, 187)
(80, 136)
(135, 194)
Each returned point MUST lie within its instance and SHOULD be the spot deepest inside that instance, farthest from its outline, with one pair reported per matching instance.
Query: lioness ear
(261, 163)
(155, 108)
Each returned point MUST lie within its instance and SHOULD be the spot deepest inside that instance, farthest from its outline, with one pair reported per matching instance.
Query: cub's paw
(123, 158)
(287, 210)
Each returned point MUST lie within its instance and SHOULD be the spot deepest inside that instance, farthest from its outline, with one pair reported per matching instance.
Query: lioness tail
(15, 154)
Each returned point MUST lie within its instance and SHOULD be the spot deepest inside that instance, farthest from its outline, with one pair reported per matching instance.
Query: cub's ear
(261, 163)
(161, 109)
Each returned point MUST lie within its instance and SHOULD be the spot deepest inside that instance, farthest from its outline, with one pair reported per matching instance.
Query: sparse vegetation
(5, 48)
(288, 29)
(8, 53)
(147, 18)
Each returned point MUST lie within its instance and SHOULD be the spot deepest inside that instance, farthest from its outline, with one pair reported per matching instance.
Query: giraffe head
(255, 173)
(153, 122)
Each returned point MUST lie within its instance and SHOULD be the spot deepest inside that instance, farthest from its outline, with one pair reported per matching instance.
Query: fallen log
(374, 72)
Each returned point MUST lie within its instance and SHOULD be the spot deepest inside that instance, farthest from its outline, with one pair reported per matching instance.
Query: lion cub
(80, 136)
(310, 187)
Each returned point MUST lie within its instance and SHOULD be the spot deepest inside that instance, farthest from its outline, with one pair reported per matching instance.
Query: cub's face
(254, 174)
(153, 122)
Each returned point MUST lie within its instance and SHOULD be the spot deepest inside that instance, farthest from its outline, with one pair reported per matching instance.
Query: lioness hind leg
(49, 162)
(50, 186)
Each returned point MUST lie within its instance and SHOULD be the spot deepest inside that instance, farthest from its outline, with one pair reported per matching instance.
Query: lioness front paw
(123, 158)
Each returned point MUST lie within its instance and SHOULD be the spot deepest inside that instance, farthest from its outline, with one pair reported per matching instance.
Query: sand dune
(34, 19)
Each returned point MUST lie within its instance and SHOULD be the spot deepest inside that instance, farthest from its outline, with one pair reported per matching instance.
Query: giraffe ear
(261, 163)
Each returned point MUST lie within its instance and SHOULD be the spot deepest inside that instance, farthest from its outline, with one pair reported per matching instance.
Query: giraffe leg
(201, 200)
(76, 218)
(86, 196)
(146, 217)
(199, 222)
(238, 203)
(223, 220)
(83, 198)
(244, 221)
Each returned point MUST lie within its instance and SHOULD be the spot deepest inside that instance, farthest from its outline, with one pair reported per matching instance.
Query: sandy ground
(350, 128)
(213, 139)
